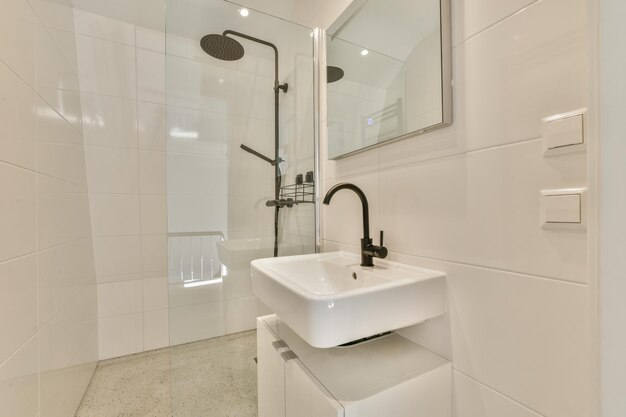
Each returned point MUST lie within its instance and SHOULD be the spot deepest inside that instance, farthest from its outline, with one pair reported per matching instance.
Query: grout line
(391, 167)
(498, 392)
(465, 264)
(388, 166)
(496, 23)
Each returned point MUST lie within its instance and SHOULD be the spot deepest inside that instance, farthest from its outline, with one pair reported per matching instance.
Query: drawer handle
(279, 344)
(288, 355)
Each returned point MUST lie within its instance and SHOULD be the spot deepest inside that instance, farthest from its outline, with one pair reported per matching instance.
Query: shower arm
(277, 86)
(260, 155)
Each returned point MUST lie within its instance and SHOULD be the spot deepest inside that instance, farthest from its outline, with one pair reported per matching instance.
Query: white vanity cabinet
(389, 376)
(286, 387)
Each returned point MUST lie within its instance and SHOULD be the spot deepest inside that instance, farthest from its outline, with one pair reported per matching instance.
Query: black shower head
(222, 47)
(333, 74)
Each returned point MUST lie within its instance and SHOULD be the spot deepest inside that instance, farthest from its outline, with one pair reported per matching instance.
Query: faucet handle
(381, 238)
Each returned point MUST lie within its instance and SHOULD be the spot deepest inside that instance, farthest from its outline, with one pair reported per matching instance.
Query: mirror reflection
(385, 73)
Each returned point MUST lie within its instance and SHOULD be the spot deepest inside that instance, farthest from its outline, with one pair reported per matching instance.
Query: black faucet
(369, 251)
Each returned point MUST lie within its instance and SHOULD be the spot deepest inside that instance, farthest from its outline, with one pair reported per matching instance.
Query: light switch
(563, 131)
(562, 208)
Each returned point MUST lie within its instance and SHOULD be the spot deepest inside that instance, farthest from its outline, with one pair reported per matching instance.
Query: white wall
(612, 59)
(122, 82)
(48, 313)
(466, 200)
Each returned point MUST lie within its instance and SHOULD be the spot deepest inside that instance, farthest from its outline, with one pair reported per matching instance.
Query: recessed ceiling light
(365, 52)
(244, 12)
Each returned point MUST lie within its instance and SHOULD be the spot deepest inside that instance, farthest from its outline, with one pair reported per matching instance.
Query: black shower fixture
(225, 48)
(222, 47)
(333, 74)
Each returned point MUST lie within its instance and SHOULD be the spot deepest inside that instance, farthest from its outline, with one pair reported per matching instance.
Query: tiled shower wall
(466, 200)
(148, 177)
(48, 317)
(122, 79)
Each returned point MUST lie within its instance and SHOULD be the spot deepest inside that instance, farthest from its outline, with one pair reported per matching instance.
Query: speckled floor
(211, 378)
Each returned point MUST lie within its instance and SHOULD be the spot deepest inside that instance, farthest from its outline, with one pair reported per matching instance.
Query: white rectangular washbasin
(328, 299)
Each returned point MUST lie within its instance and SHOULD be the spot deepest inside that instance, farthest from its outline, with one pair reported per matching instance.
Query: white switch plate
(564, 208)
(564, 133)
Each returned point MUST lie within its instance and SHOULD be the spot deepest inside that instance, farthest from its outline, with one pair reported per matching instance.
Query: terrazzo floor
(210, 378)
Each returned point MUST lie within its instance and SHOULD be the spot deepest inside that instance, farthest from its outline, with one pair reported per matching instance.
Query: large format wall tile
(472, 399)
(18, 208)
(109, 121)
(17, 118)
(115, 214)
(19, 382)
(114, 171)
(110, 71)
(102, 27)
(18, 303)
(469, 17)
(484, 208)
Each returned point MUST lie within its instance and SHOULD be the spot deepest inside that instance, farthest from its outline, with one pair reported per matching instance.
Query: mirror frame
(445, 27)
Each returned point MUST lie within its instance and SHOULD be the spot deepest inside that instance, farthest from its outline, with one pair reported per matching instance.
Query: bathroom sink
(328, 299)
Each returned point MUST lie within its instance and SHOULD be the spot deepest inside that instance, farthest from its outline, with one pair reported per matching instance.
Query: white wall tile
(115, 214)
(150, 76)
(119, 298)
(523, 75)
(53, 70)
(471, 17)
(103, 27)
(112, 170)
(153, 214)
(109, 121)
(106, 67)
(17, 203)
(154, 253)
(117, 255)
(156, 332)
(19, 382)
(197, 175)
(197, 85)
(526, 336)
(150, 39)
(18, 303)
(251, 98)
(19, 22)
(120, 335)
(241, 314)
(152, 172)
(17, 117)
(209, 132)
(155, 291)
(207, 321)
(63, 272)
(62, 212)
(458, 209)
(473, 399)
(152, 126)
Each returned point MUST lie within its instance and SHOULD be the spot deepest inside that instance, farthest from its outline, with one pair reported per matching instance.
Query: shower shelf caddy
(299, 193)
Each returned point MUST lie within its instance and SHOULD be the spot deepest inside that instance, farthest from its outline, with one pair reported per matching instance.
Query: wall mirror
(388, 72)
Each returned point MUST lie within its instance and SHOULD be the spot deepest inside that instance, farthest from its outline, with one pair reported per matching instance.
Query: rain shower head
(222, 47)
(333, 74)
